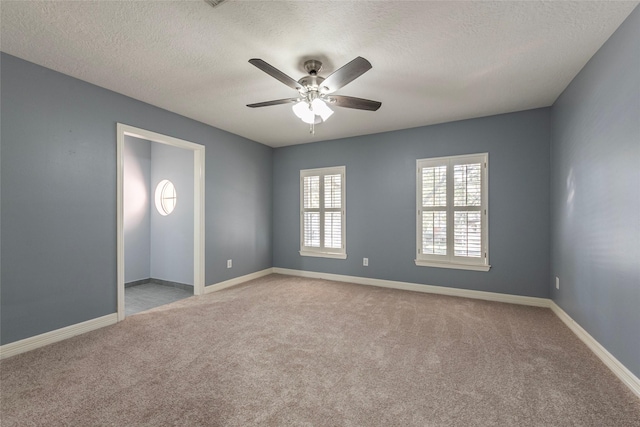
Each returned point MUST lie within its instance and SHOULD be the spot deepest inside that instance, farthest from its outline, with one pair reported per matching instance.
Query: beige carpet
(286, 351)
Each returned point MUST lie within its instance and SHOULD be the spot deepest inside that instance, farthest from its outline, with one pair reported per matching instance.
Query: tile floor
(150, 295)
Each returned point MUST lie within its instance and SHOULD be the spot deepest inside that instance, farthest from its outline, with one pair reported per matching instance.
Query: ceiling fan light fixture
(315, 112)
(321, 108)
(303, 111)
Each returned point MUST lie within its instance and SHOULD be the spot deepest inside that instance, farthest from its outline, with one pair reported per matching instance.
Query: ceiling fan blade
(346, 74)
(276, 74)
(351, 102)
(275, 102)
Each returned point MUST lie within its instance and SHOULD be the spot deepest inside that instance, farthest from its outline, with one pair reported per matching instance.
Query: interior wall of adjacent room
(172, 235)
(137, 213)
(157, 246)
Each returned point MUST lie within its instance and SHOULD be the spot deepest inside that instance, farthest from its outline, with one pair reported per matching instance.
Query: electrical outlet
(557, 283)
(229, 263)
(365, 261)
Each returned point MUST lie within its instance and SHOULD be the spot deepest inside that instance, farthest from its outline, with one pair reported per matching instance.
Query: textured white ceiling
(433, 62)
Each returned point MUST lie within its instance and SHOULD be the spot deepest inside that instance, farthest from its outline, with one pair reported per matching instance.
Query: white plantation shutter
(434, 186)
(467, 219)
(467, 184)
(468, 234)
(332, 191)
(312, 229)
(311, 206)
(333, 214)
(434, 210)
(434, 233)
(333, 230)
(452, 226)
(311, 192)
(322, 212)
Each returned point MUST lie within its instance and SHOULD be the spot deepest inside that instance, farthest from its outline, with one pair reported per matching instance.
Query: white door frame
(198, 204)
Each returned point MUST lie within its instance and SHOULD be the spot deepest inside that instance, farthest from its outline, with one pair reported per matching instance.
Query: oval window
(165, 197)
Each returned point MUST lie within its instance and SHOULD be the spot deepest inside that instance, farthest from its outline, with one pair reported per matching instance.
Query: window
(165, 197)
(322, 212)
(452, 222)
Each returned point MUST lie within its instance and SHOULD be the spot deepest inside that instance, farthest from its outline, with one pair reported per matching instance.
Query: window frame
(161, 197)
(450, 260)
(337, 253)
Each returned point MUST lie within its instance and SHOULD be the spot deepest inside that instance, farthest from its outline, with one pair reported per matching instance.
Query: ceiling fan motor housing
(313, 80)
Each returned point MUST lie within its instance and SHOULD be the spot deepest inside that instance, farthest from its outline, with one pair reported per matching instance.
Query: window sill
(323, 254)
(473, 267)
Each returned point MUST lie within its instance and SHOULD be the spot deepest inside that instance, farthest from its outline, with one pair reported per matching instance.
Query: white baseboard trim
(31, 343)
(237, 280)
(51, 337)
(625, 375)
(441, 290)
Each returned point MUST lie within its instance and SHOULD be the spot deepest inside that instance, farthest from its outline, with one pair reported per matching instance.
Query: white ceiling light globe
(304, 113)
(320, 108)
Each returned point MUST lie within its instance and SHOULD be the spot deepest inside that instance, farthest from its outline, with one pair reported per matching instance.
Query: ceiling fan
(315, 93)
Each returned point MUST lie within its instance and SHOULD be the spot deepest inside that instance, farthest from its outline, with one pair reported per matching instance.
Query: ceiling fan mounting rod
(312, 66)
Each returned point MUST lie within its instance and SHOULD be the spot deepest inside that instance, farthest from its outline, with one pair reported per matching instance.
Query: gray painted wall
(137, 202)
(381, 202)
(58, 173)
(595, 202)
(172, 235)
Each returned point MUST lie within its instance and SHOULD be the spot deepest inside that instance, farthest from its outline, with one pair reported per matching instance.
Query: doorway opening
(168, 216)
